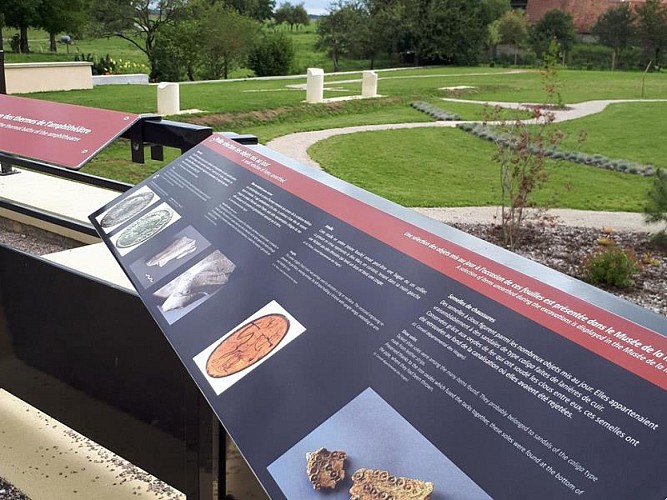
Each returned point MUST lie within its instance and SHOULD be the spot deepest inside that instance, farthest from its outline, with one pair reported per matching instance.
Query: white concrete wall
(23, 78)
(132, 79)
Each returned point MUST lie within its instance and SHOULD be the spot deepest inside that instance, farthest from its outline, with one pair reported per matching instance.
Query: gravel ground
(9, 492)
(565, 248)
(31, 239)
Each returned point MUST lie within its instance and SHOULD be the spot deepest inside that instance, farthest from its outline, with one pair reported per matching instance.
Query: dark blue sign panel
(314, 315)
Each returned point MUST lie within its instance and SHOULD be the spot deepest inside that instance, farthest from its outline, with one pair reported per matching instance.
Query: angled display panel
(60, 134)
(320, 320)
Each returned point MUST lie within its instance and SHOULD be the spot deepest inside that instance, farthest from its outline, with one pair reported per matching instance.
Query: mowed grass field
(422, 167)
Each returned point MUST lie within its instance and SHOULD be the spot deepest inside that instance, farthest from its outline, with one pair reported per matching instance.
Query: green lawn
(447, 167)
(454, 168)
(629, 131)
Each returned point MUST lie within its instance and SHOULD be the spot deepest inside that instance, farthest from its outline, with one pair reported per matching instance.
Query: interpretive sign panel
(315, 315)
(60, 134)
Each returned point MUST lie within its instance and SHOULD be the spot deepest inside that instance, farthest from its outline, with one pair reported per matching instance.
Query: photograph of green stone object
(144, 228)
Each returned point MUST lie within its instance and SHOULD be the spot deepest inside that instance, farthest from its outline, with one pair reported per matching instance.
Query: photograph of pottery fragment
(145, 227)
(350, 457)
(193, 287)
(247, 346)
(326, 470)
(174, 251)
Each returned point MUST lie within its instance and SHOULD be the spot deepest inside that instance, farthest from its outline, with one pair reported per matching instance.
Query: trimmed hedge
(491, 134)
(435, 112)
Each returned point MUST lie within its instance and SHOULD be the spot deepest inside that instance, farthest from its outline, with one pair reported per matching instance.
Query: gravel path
(616, 221)
(574, 233)
(296, 146)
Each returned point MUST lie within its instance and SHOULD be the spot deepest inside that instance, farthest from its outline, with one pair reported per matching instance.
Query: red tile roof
(584, 12)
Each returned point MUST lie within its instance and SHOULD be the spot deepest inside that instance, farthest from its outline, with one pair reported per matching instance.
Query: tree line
(207, 39)
(463, 31)
(193, 39)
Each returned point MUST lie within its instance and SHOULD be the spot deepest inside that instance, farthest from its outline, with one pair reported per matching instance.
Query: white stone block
(369, 84)
(168, 99)
(315, 85)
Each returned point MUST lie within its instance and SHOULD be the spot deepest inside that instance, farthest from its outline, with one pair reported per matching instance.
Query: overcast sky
(318, 7)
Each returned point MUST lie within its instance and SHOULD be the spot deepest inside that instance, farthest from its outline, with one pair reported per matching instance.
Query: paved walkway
(296, 146)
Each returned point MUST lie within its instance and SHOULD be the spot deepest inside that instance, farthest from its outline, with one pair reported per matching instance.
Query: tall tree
(513, 30)
(21, 14)
(257, 9)
(557, 25)
(336, 31)
(137, 21)
(380, 29)
(300, 15)
(178, 48)
(493, 33)
(293, 15)
(283, 13)
(56, 16)
(493, 10)
(615, 28)
(445, 31)
(652, 29)
(230, 37)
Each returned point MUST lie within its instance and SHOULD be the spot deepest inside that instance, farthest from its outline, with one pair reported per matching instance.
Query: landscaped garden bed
(566, 249)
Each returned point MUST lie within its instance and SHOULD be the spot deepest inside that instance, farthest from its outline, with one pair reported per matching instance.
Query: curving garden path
(296, 146)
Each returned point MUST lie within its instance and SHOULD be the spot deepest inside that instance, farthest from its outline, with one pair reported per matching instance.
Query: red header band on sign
(55, 133)
(619, 340)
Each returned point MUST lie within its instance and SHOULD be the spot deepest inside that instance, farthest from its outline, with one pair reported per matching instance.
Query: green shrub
(611, 266)
(273, 55)
(589, 56)
(102, 66)
(655, 210)
(658, 241)
(525, 58)
(630, 58)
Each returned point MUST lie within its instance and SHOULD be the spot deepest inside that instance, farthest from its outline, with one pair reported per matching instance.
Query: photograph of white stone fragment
(194, 286)
(176, 250)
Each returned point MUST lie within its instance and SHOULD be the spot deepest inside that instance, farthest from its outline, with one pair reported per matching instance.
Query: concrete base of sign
(135, 79)
(369, 84)
(168, 98)
(75, 201)
(315, 85)
(46, 459)
(93, 260)
(54, 195)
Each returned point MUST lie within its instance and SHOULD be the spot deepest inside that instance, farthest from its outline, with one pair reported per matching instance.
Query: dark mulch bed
(566, 248)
